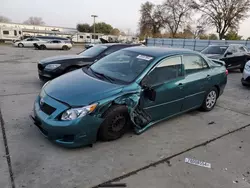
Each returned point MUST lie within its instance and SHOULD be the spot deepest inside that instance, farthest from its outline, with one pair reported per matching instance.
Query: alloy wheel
(211, 99)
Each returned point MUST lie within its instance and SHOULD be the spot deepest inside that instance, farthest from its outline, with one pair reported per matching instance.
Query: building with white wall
(43, 30)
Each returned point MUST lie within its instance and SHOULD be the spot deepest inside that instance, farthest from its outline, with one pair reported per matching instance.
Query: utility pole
(94, 16)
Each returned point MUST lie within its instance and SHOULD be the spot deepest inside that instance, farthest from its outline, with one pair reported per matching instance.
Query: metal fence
(193, 44)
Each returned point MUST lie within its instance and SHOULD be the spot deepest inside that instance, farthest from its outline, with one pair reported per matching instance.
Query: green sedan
(136, 87)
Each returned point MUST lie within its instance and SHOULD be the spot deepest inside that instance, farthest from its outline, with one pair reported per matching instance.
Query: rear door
(197, 81)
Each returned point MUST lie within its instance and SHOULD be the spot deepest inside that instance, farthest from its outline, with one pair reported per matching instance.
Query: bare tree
(151, 21)
(176, 13)
(223, 14)
(4, 19)
(34, 21)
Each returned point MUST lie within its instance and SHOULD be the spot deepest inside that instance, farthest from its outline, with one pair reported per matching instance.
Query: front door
(166, 79)
(197, 80)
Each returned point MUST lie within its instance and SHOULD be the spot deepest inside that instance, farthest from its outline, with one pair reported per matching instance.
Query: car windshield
(214, 50)
(94, 51)
(123, 65)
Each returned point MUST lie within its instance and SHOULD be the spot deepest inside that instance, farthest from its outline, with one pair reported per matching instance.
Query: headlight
(247, 67)
(75, 113)
(52, 66)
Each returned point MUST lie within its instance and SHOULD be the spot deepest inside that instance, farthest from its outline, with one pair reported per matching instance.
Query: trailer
(10, 34)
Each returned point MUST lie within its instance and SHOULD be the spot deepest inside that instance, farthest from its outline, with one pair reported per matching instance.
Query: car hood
(214, 56)
(62, 58)
(79, 89)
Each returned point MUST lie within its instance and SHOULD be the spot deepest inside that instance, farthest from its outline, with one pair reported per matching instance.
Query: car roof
(159, 51)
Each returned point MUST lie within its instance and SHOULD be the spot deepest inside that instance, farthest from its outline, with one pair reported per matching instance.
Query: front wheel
(20, 45)
(210, 100)
(116, 121)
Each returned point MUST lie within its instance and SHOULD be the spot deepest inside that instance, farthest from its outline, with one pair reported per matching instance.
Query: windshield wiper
(102, 75)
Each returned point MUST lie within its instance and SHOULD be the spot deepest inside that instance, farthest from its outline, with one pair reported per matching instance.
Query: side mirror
(228, 53)
(148, 92)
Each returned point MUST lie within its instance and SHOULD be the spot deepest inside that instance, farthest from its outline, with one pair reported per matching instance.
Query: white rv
(10, 34)
(86, 37)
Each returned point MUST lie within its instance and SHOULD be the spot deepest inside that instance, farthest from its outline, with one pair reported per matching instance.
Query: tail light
(226, 72)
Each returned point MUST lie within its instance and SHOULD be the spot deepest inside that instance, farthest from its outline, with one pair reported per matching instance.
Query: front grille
(40, 66)
(47, 109)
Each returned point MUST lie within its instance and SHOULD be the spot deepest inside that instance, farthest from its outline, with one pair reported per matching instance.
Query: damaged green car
(137, 87)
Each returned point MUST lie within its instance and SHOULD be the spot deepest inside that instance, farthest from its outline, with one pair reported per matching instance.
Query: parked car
(142, 85)
(246, 75)
(28, 42)
(53, 67)
(235, 56)
(53, 45)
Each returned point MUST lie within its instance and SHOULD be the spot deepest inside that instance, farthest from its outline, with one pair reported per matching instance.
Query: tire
(115, 124)
(20, 45)
(43, 47)
(65, 48)
(210, 100)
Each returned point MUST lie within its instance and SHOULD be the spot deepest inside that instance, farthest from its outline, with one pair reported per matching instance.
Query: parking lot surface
(138, 161)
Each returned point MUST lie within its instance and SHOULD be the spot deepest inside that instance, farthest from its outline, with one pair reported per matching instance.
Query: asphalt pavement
(155, 158)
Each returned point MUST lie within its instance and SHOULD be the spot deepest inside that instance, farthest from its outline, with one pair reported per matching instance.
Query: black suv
(234, 55)
(53, 67)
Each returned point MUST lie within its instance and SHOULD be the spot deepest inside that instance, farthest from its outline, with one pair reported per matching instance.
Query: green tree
(4, 19)
(232, 35)
(213, 36)
(34, 21)
(102, 27)
(151, 20)
(222, 14)
(115, 31)
(176, 14)
(86, 28)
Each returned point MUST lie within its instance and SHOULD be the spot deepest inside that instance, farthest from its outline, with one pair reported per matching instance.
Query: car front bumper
(46, 75)
(70, 134)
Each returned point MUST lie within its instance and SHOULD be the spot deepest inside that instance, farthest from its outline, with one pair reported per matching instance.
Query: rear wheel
(43, 47)
(65, 48)
(116, 121)
(20, 45)
(210, 99)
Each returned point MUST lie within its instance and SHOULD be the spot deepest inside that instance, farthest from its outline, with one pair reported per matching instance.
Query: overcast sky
(123, 14)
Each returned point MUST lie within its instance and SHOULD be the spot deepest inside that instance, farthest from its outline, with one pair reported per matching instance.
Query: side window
(167, 69)
(29, 39)
(15, 33)
(242, 49)
(232, 49)
(194, 63)
(81, 37)
(6, 32)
